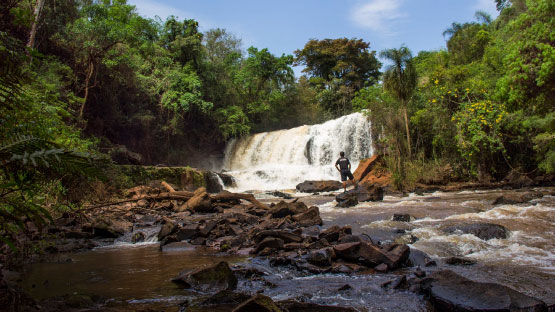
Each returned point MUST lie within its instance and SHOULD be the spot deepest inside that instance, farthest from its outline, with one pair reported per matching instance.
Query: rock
(516, 198)
(382, 268)
(228, 180)
(258, 303)
(268, 242)
(295, 306)
(484, 231)
(188, 231)
(363, 193)
(401, 217)
(200, 202)
(349, 239)
(208, 227)
(333, 233)
(518, 180)
(365, 166)
(319, 186)
(321, 257)
(345, 287)
(459, 261)
(418, 258)
(284, 209)
(346, 200)
(138, 237)
(287, 237)
(280, 194)
(104, 228)
(308, 218)
(397, 255)
(198, 241)
(167, 228)
(212, 278)
(213, 182)
(449, 291)
(347, 251)
(372, 255)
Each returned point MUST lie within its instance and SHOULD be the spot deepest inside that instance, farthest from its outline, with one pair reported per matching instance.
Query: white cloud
(486, 5)
(378, 15)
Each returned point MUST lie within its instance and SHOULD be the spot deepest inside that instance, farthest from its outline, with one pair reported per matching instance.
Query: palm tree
(482, 17)
(400, 79)
(455, 27)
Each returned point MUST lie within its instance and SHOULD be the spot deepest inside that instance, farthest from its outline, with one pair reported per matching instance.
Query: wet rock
(228, 180)
(284, 209)
(345, 287)
(418, 258)
(287, 237)
(419, 273)
(200, 202)
(459, 261)
(369, 192)
(167, 228)
(484, 231)
(308, 218)
(518, 180)
(333, 233)
(78, 234)
(280, 194)
(382, 268)
(138, 237)
(401, 217)
(207, 228)
(372, 255)
(212, 278)
(258, 303)
(268, 242)
(188, 231)
(303, 265)
(321, 257)
(516, 198)
(110, 228)
(449, 291)
(397, 255)
(295, 306)
(349, 239)
(318, 186)
(347, 251)
(213, 182)
(346, 200)
(198, 241)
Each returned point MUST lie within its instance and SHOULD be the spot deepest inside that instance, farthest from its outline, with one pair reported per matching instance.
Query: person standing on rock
(343, 165)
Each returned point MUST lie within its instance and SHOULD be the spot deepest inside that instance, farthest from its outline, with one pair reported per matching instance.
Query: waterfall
(282, 159)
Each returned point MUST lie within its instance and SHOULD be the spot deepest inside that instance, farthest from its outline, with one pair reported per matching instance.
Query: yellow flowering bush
(478, 129)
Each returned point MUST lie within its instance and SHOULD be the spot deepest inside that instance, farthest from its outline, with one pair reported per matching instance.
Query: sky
(285, 26)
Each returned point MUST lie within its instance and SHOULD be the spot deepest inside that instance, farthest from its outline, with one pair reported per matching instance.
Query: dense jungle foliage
(83, 78)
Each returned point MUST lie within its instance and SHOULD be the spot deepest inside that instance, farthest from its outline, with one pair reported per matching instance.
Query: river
(133, 277)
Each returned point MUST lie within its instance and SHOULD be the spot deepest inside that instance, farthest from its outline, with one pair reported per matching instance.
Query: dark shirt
(343, 163)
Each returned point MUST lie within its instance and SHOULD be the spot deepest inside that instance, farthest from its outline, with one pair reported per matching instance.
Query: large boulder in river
(365, 166)
(308, 218)
(212, 278)
(284, 209)
(484, 231)
(363, 193)
(319, 186)
(449, 291)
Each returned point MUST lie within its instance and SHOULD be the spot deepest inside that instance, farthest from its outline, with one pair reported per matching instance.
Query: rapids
(282, 159)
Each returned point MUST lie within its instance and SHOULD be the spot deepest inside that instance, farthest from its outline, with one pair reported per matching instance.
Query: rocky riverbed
(194, 251)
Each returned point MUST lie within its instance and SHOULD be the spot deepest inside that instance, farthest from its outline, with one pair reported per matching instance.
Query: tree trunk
(33, 33)
(407, 127)
(87, 87)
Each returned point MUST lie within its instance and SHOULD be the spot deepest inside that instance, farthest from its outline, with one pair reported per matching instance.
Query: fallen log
(177, 195)
(167, 186)
(225, 196)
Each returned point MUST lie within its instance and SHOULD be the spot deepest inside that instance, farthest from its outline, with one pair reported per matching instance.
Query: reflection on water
(122, 273)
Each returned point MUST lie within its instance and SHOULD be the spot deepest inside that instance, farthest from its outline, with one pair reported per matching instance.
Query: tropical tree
(400, 79)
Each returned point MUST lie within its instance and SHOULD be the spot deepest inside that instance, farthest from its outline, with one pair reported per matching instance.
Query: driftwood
(167, 186)
(185, 196)
(225, 196)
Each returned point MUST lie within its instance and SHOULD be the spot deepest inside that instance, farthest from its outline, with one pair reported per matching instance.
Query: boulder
(228, 180)
(365, 166)
(333, 233)
(308, 218)
(401, 217)
(258, 303)
(284, 209)
(268, 242)
(459, 261)
(321, 257)
(484, 231)
(188, 231)
(200, 202)
(518, 180)
(363, 193)
(213, 182)
(287, 237)
(516, 198)
(167, 228)
(105, 228)
(211, 278)
(319, 186)
(449, 291)
(397, 255)
(346, 200)
(138, 237)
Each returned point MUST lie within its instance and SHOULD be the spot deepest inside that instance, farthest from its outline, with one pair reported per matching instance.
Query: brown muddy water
(135, 277)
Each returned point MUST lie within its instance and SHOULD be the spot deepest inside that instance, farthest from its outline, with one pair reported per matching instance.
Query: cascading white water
(282, 159)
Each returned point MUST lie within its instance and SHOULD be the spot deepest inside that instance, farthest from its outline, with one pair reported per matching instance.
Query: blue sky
(284, 26)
